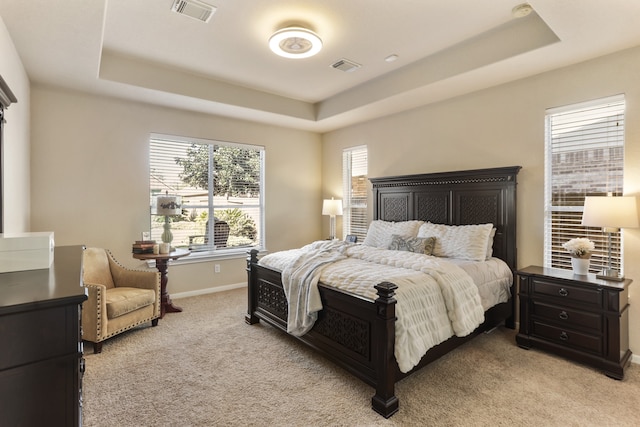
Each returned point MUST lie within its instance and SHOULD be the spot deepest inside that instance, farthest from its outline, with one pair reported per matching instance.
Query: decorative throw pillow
(459, 241)
(412, 244)
(380, 232)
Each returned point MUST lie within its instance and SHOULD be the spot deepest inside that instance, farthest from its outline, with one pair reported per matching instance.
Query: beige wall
(88, 174)
(503, 126)
(16, 149)
(90, 177)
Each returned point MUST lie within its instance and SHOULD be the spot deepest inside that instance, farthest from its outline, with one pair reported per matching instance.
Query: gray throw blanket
(300, 283)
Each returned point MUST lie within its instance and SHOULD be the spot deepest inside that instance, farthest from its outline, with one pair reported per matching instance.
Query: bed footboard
(354, 332)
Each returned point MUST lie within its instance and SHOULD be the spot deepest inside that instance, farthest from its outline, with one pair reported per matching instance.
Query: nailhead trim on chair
(128, 327)
(99, 311)
(113, 258)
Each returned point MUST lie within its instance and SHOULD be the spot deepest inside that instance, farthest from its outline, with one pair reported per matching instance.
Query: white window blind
(584, 156)
(219, 180)
(354, 182)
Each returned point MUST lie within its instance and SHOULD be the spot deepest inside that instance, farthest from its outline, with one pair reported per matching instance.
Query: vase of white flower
(580, 266)
(580, 250)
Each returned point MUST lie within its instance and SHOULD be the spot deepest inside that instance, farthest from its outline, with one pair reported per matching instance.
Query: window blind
(218, 180)
(354, 182)
(584, 156)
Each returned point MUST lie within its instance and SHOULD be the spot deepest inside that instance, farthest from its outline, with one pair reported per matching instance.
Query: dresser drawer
(37, 335)
(586, 296)
(568, 337)
(567, 317)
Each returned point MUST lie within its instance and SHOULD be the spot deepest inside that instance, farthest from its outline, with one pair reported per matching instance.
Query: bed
(359, 333)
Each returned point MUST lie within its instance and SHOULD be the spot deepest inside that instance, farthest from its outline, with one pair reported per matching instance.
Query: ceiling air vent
(194, 9)
(345, 65)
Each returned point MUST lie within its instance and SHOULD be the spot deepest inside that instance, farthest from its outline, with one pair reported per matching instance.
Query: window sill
(196, 257)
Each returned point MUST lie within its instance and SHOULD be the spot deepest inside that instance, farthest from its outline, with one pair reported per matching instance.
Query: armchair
(118, 298)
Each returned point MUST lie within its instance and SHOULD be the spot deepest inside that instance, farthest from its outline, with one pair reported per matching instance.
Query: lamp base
(610, 274)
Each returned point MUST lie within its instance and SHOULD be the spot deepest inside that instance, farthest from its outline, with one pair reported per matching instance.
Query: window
(219, 180)
(354, 182)
(584, 157)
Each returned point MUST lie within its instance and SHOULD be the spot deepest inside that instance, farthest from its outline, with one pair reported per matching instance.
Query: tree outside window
(217, 180)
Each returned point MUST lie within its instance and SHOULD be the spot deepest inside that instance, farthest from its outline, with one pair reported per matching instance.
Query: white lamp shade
(610, 212)
(332, 207)
(168, 205)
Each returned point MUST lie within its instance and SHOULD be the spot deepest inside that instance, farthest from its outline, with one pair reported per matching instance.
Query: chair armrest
(144, 279)
(126, 277)
(94, 313)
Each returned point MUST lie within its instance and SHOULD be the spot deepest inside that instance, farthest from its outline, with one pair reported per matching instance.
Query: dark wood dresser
(578, 317)
(41, 363)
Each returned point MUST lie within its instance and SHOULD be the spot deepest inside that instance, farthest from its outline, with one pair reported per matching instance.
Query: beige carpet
(206, 367)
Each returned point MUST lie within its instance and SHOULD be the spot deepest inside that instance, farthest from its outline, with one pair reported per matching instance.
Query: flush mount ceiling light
(521, 10)
(295, 42)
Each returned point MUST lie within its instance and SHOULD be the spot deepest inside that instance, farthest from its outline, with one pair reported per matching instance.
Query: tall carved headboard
(456, 198)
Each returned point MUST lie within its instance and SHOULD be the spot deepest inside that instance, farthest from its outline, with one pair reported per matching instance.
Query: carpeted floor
(206, 367)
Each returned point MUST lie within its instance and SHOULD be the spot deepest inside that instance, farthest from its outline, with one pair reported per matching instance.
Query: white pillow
(458, 241)
(490, 243)
(380, 232)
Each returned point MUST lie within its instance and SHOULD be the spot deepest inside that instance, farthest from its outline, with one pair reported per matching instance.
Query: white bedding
(428, 288)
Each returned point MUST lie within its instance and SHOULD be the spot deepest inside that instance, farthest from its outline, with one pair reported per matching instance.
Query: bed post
(385, 401)
(252, 258)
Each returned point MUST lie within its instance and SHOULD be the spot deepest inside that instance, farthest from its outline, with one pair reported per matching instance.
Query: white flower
(580, 247)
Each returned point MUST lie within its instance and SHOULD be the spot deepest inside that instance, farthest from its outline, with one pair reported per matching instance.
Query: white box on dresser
(26, 251)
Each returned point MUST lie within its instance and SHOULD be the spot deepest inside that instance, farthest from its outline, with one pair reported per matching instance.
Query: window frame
(216, 253)
(566, 212)
(349, 202)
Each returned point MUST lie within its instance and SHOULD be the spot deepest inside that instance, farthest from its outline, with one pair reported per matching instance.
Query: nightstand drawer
(568, 294)
(568, 337)
(567, 317)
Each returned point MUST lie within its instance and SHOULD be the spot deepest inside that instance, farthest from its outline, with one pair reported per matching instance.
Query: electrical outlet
(216, 268)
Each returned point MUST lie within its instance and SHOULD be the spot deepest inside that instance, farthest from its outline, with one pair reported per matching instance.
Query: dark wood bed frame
(358, 333)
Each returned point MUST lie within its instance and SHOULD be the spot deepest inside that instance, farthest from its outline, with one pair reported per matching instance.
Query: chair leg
(154, 322)
(97, 347)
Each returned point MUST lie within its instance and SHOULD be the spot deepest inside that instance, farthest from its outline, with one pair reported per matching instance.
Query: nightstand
(578, 317)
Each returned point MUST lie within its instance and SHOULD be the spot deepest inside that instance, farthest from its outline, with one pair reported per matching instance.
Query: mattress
(437, 297)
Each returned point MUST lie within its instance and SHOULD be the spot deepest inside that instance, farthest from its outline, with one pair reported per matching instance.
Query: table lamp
(612, 214)
(332, 208)
(168, 205)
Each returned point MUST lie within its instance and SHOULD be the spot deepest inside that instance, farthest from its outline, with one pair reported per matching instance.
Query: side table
(162, 264)
(579, 317)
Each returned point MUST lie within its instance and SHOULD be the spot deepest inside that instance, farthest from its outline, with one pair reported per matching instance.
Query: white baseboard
(208, 290)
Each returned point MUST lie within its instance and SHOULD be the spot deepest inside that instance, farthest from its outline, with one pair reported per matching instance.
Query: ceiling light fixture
(295, 42)
(521, 10)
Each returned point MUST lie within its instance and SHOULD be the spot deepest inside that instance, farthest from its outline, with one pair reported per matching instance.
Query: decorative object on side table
(580, 250)
(168, 205)
(610, 213)
(332, 208)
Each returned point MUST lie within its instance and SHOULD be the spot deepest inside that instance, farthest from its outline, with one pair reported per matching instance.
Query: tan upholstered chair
(119, 298)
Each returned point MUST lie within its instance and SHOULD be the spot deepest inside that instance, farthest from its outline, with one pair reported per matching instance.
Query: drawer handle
(563, 315)
(563, 292)
(564, 336)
